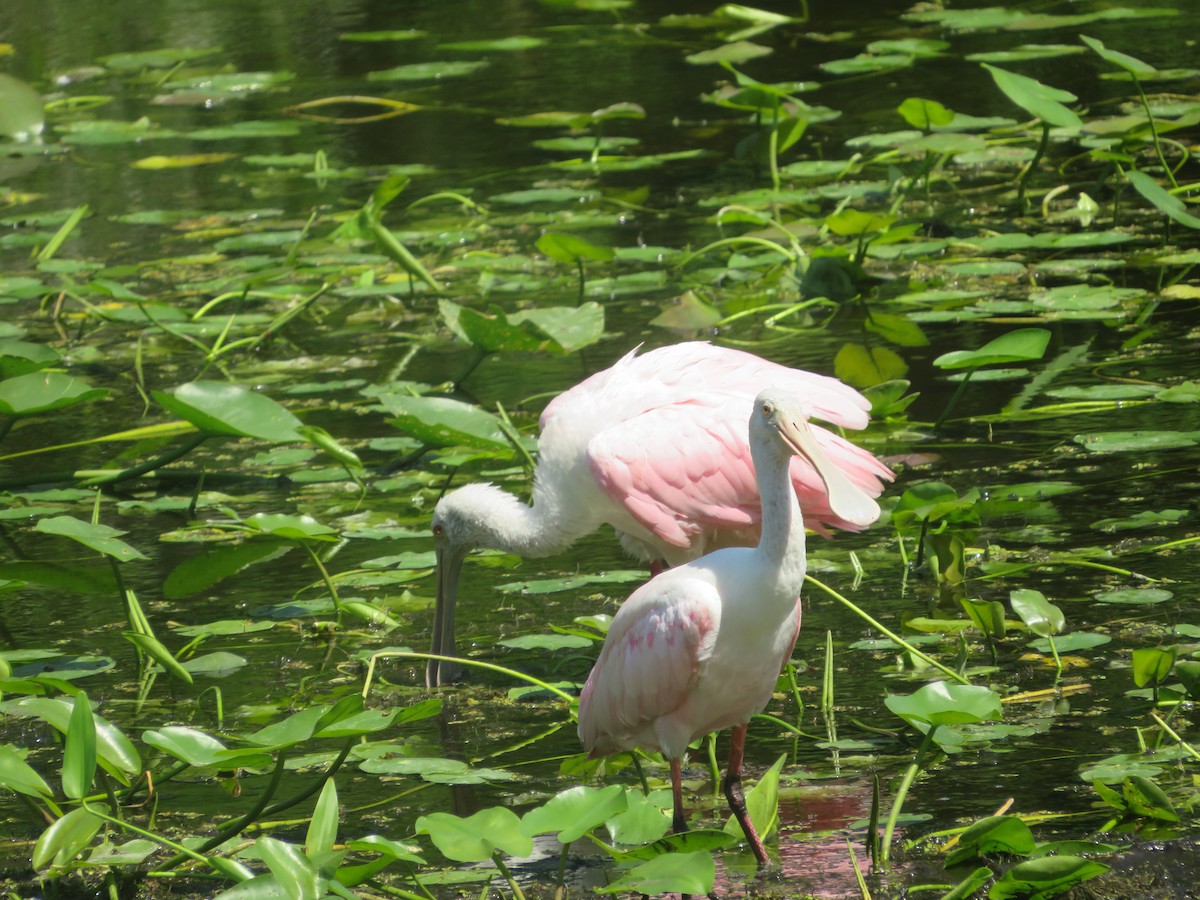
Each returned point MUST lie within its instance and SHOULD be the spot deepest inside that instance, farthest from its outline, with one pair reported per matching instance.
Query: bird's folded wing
(685, 470)
(650, 661)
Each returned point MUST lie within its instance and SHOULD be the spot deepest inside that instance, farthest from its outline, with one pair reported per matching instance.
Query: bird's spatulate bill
(846, 500)
(449, 568)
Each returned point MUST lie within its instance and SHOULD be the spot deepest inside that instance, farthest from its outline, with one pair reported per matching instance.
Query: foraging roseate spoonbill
(656, 447)
(699, 648)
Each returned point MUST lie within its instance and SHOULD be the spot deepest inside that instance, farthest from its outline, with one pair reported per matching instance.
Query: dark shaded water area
(590, 59)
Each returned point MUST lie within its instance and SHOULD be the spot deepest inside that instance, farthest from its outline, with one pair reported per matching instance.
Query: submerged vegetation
(256, 322)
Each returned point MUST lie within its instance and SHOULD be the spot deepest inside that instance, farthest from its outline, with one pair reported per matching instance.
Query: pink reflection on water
(811, 848)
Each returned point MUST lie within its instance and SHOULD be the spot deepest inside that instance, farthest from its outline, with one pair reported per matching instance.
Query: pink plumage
(656, 447)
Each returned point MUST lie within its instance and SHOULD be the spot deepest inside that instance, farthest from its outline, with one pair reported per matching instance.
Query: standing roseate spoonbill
(699, 648)
(656, 447)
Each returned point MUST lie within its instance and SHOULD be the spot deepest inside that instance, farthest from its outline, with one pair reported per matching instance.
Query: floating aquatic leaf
(1017, 346)
(182, 162)
(1025, 52)
(1144, 519)
(940, 703)
(504, 44)
(924, 114)
(572, 582)
(867, 64)
(678, 872)
(443, 422)
(247, 129)
(230, 409)
(734, 53)
(1166, 203)
(1136, 441)
(291, 527)
(547, 642)
(100, 538)
(430, 71)
(40, 392)
(408, 34)
(1069, 643)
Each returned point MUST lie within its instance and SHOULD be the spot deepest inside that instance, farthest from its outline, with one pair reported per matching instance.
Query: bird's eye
(438, 530)
(766, 408)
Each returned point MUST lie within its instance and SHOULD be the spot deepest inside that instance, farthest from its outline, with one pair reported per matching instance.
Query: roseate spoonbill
(656, 447)
(699, 648)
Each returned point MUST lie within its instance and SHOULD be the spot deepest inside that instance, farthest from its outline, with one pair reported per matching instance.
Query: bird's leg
(679, 820)
(657, 567)
(733, 793)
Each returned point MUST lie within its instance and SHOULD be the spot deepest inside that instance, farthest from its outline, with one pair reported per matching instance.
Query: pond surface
(213, 202)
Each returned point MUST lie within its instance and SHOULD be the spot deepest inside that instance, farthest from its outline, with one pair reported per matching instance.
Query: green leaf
(569, 248)
(291, 528)
(79, 753)
(683, 873)
(1188, 672)
(574, 812)
(1040, 879)
(1036, 98)
(987, 616)
(644, 819)
(1145, 798)
(570, 327)
(851, 222)
(17, 775)
(941, 703)
(475, 838)
(1022, 345)
(66, 838)
(100, 538)
(1039, 614)
(734, 53)
(153, 647)
(995, 834)
(924, 114)
(21, 115)
(1136, 596)
(443, 422)
(487, 332)
(216, 407)
(294, 871)
(39, 392)
(23, 357)
(860, 367)
(323, 826)
(1136, 441)
(1152, 665)
(1166, 203)
(114, 750)
(762, 803)
(1130, 64)
(899, 330)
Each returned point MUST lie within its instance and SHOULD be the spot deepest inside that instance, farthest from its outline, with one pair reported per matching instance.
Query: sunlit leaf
(1152, 665)
(429, 71)
(221, 408)
(39, 392)
(213, 564)
(66, 838)
(17, 775)
(1166, 203)
(575, 811)
(680, 872)
(21, 115)
(735, 53)
(474, 838)
(182, 162)
(1037, 99)
(100, 538)
(1040, 879)
(862, 367)
(1136, 441)
(941, 703)
(1022, 345)
(994, 834)
(1135, 596)
(924, 114)
(1039, 614)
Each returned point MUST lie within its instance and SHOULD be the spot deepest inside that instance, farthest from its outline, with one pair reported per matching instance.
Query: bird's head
(780, 420)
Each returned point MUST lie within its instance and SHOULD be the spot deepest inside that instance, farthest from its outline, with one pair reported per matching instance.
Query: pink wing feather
(650, 662)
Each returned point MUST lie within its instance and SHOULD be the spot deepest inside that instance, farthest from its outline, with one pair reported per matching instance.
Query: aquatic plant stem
(512, 673)
(885, 850)
(337, 601)
(512, 883)
(887, 632)
(149, 465)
